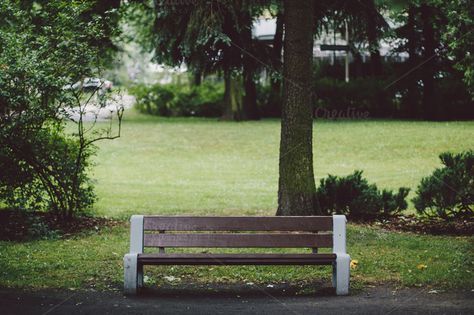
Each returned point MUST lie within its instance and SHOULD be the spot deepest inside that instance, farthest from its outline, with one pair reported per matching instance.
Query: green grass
(95, 261)
(200, 166)
(204, 167)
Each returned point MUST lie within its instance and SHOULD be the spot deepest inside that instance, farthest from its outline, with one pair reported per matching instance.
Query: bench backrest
(238, 232)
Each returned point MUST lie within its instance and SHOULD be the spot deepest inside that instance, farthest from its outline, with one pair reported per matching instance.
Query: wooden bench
(237, 232)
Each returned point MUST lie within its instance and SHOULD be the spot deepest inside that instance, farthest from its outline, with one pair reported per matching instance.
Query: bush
(452, 99)
(448, 193)
(353, 196)
(358, 94)
(45, 171)
(204, 100)
(153, 100)
(44, 48)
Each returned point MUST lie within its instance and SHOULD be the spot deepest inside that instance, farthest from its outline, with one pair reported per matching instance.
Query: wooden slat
(236, 259)
(193, 223)
(238, 240)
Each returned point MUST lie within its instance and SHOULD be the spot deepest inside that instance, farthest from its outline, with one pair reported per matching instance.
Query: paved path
(381, 300)
(93, 112)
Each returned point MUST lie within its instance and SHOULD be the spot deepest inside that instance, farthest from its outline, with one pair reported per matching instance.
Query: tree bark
(296, 187)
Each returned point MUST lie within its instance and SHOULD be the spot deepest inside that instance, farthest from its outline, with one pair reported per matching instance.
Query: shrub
(153, 100)
(448, 193)
(353, 196)
(204, 100)
(358, 94)
(452, 99)
(44, 170)
(44, 49)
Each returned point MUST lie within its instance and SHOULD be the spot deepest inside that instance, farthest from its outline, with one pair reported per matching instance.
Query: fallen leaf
(421, 266)
(354, 263)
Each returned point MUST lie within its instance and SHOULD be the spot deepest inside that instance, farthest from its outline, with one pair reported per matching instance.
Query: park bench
(237, 232)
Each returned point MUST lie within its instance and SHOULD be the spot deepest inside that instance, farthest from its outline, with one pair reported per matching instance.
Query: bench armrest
(339, 234)
(136, 234)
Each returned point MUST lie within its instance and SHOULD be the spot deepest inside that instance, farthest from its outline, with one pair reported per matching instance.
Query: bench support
(133, 271)
(341, 274)
(341, 267)
(130, 266)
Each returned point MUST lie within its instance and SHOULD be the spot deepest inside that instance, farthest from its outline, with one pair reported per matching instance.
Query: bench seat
(236, 259)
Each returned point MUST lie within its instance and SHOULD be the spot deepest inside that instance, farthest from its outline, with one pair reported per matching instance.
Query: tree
(296, 187)
(372, 19)
(423, 22)
(366, 25)
(210, 36)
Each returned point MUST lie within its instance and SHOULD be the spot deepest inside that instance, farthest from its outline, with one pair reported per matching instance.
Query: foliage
(177, 100)
(452, 99)
(370, 95)
(154, 99)
(460, 37)
(359, 94)
(353, 196)
(448, 193)
(45, 170)
(267, 106)
(208, 36)
(44, 47)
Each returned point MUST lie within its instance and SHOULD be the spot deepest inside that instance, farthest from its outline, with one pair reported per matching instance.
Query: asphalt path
(243, 300)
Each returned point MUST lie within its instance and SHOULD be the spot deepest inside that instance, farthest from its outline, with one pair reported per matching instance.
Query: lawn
(204, 167)
(200, 166)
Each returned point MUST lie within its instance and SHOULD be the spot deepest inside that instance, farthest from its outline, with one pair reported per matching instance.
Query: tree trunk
(250, 108)
(197, 77)
(275, 84)
(232, 97)
(375, 59)
(357, 64)
(411, 103)
(296, 187)
(232, 59)
(428, 71)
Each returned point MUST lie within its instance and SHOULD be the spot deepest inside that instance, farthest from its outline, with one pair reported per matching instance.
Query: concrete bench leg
(341, 274)
(140, 276)
(130, 266)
